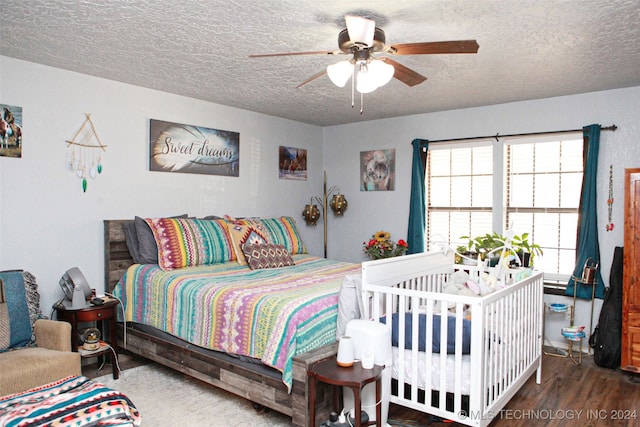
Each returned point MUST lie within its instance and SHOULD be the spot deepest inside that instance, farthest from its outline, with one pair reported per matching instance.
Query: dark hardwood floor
(569, 395)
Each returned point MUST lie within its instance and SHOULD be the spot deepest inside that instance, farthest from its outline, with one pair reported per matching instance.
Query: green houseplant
(526, 250)
(466, 256)
(485, 245)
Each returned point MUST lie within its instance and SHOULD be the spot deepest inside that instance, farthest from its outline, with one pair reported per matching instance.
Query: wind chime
(86, 156)
(609, 226)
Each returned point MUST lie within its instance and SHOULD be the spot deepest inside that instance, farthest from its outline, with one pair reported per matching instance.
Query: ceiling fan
(369, 66)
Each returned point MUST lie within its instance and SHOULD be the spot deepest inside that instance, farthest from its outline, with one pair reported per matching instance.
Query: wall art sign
(10, 131)
(292, 163)
(377, 170)
(175, 147)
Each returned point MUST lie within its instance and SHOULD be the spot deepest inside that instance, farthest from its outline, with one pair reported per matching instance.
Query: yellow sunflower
(382, 236)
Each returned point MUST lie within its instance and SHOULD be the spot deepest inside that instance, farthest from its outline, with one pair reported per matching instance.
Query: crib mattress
(449, 383)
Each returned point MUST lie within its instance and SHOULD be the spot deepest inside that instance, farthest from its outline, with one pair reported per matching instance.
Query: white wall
(49, 225)
(369, 212)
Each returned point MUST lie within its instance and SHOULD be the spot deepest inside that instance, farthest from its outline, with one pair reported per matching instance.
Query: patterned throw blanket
(270, 314)
(71, 401)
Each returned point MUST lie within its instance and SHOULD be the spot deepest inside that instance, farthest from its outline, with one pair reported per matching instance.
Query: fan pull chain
(353, 87)
(361, 103)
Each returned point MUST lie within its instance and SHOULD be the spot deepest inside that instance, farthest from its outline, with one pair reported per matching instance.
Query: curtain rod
(497, 135)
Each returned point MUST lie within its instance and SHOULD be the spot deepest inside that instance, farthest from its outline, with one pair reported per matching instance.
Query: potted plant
(381, 246)
(526, 250)
(465, 256)
(485, 246)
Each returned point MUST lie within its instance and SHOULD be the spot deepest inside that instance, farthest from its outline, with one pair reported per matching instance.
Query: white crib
(505, 336)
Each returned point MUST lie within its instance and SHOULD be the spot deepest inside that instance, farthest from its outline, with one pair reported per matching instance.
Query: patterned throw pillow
(147, 247)
(188, 242)
(245, 231)
(266, 256)
(33, 298)
(284, 232)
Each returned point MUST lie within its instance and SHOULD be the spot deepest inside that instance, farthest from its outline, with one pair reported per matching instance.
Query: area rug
(168, 398)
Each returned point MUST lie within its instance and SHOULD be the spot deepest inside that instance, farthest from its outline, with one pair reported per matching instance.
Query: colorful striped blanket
(269, 314)
(71, 401)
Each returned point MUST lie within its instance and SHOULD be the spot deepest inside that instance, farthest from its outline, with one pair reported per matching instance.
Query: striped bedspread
(268, 314)
(71, 401)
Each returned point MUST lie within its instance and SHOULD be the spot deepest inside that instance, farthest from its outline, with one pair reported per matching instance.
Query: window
(459, 192)
(532, 185)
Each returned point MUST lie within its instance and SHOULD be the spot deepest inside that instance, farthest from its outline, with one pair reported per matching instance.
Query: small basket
(558, 307)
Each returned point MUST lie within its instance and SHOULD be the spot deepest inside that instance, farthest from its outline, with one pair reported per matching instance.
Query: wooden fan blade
(404, 74)
(426, 48)
(317, 52)
(312, 78)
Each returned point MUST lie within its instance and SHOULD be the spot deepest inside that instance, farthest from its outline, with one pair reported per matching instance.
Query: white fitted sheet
(435, 371)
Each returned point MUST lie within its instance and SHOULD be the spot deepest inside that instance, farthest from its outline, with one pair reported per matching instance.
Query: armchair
(48, 360)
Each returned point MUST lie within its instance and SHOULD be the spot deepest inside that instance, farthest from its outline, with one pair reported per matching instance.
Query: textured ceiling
(200, 48)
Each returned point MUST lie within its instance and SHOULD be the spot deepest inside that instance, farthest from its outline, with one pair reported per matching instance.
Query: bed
(71, 401)
(175, 335)
(497, 334)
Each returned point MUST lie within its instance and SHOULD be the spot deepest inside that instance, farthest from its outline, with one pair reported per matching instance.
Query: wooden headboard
(117, 258)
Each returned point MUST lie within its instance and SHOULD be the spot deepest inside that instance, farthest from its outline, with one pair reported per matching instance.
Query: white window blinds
(530, 184)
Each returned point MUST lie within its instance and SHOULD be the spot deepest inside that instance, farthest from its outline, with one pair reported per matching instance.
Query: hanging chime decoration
(609, 226)
(86, 158)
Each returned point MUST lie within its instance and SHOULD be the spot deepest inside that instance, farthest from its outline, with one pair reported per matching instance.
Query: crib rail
(504, 347)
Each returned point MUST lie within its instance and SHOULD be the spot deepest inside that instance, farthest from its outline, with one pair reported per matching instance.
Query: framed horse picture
(292, 163)
(10, 131)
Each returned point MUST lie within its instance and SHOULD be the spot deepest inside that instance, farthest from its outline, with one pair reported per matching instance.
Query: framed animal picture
(292, 163)
(10, 131)
(377, 170)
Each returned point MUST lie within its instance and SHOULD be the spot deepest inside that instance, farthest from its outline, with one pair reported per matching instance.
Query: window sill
(553, 288)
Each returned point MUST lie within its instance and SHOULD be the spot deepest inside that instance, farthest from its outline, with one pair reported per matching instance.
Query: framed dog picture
(377, 170)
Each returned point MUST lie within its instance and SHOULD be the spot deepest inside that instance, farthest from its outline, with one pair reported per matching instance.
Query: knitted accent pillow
(266, 256)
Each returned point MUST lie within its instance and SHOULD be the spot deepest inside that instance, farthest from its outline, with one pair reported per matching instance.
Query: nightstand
(94, 313)
(354, 377)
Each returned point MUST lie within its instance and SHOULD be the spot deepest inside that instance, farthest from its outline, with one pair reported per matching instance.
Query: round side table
(93, 313)
(355, 377)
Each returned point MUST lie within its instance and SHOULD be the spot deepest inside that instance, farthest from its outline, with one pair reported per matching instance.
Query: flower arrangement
(381, 246)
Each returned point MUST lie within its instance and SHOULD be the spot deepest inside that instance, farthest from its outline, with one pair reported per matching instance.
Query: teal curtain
(587, 247)
(415, 232)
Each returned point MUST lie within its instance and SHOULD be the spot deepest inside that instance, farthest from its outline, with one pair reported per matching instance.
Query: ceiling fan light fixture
(366, 82)
(340, 72)
(382, 72)
(360, 30)
(373, 75)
